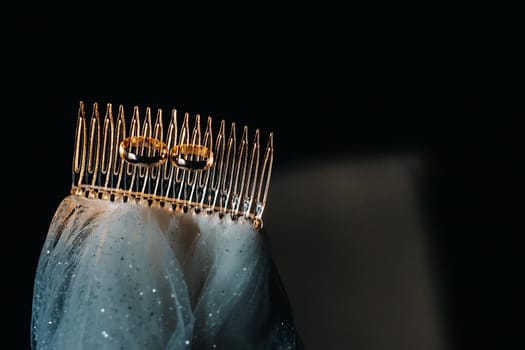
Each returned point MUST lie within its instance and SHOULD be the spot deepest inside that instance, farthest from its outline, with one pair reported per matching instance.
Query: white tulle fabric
(124, 276)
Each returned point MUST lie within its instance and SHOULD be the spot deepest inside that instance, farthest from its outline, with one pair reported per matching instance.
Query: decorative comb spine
(236, 183)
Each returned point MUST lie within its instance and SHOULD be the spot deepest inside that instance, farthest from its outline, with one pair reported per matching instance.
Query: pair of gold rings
(154, 152)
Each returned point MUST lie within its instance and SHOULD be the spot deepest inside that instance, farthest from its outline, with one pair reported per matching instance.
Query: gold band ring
(191, 157)
(146, 145)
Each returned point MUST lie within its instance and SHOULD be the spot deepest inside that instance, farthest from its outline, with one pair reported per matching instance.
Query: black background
(327, 81)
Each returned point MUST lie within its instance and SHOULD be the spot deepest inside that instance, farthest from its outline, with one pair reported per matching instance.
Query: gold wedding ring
(143, 151)
(191, 157)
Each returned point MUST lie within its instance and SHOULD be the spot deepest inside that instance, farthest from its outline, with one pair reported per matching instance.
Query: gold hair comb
(181, 170)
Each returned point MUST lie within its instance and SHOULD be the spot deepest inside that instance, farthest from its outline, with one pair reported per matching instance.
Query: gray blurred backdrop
(351, 245)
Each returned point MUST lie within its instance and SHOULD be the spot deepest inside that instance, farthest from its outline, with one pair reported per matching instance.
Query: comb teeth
(236, 184)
